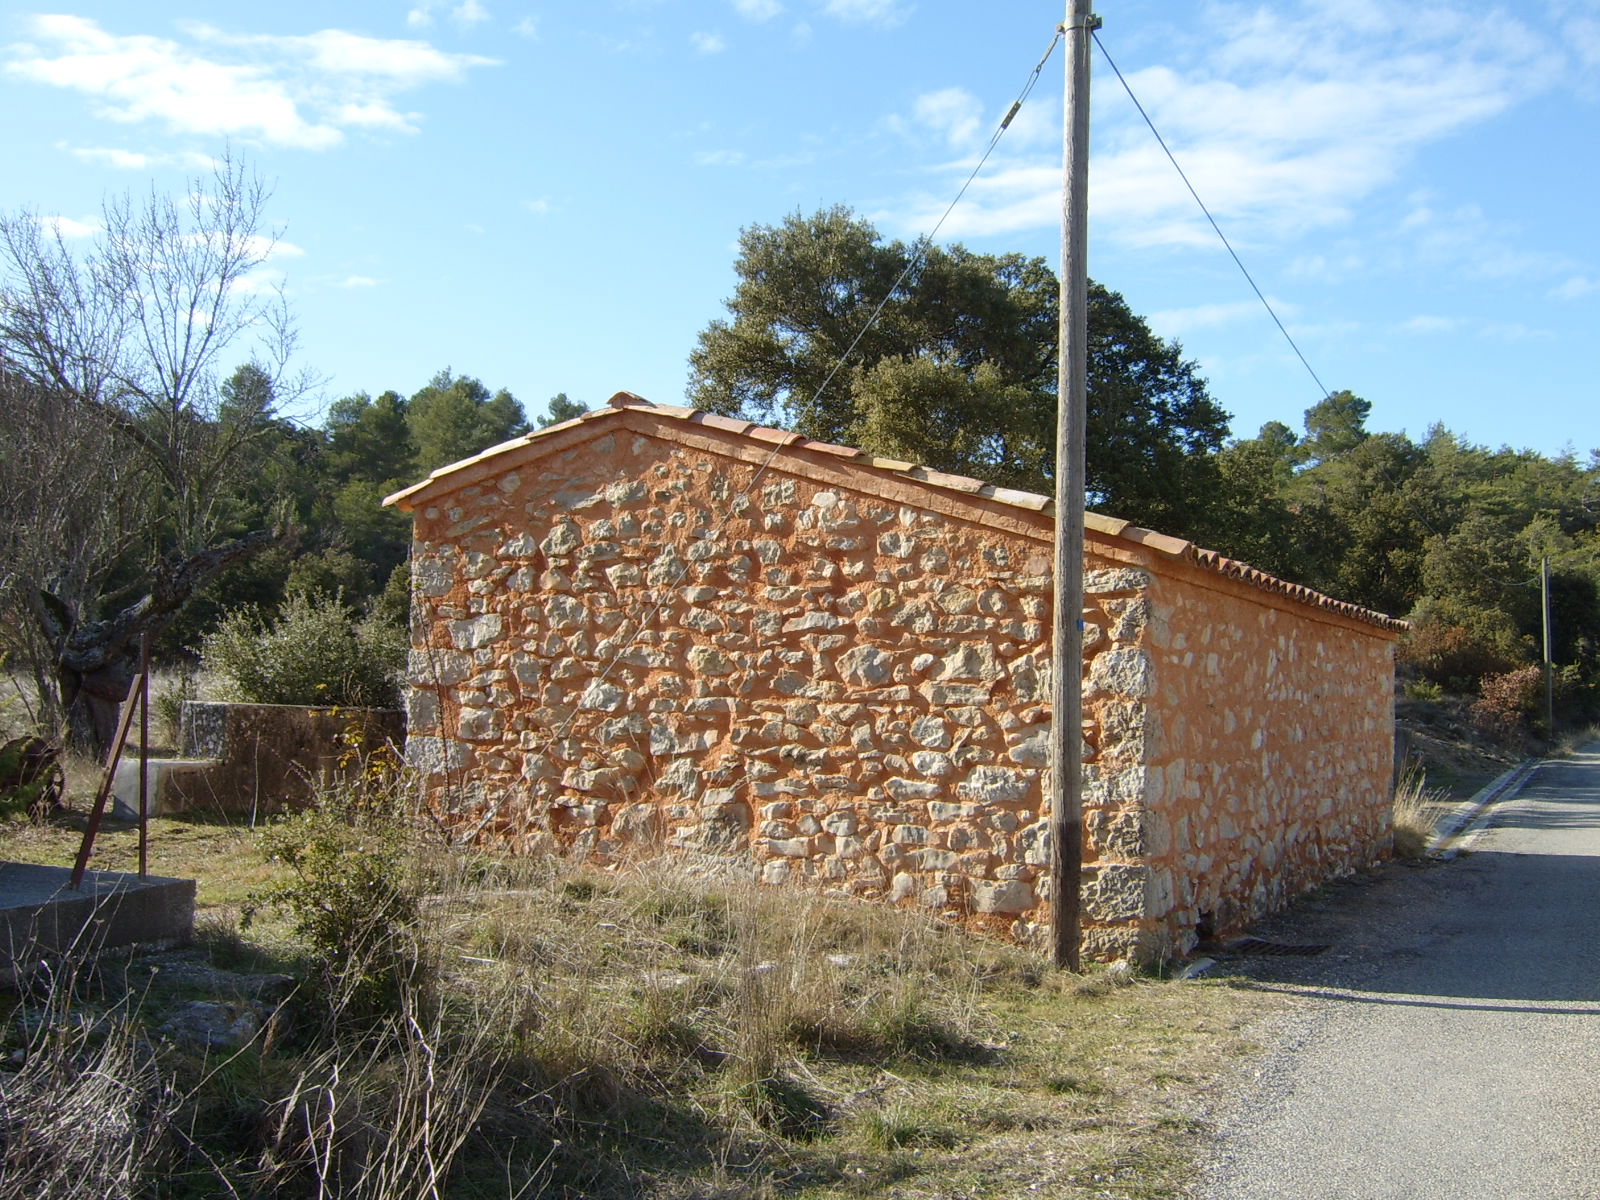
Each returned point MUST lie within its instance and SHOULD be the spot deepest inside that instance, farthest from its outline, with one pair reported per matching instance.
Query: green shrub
(316, 652)
(351, 900)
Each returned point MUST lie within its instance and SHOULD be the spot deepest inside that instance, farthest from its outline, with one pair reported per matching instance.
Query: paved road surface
(1449, 1044)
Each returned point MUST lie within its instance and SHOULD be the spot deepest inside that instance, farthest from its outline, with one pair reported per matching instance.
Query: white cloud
(539, 207)
(757, 10)
(954, 114)
(528, 27)
(1429, 324)
(255, 246)
(708, 43)
(881, 12)
(1575, 288)
(1516, 331)
(719, 158)
(69, 228)
(302, 92)
(133, 160)
(1175, 322)
(357, 281)
(466, 14)
(1294, 117)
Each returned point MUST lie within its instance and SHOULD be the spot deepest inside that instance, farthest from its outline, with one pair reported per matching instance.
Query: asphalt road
(1448, 1045)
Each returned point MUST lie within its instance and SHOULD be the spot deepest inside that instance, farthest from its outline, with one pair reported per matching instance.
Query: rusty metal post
(144, 754)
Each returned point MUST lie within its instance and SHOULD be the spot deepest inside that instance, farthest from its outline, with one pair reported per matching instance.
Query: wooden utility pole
(1549, 666)
(1066, 672)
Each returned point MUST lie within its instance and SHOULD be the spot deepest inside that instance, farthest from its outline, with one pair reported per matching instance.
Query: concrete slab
(40, 914)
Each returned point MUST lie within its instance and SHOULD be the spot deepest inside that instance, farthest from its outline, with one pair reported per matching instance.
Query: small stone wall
(267, 757)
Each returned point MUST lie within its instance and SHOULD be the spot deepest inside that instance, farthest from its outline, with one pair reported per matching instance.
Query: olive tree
(118, 432)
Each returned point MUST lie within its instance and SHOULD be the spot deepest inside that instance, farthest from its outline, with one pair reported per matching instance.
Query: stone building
(655, 630)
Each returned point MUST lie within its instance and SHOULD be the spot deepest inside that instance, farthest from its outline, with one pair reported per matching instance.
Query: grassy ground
(659, 1033)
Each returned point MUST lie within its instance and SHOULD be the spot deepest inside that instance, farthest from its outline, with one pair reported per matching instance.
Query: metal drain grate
(1279, 949)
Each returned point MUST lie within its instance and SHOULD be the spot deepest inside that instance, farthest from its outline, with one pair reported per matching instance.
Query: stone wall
(1270, 750)
(615, 654)
(266, 758)
(625, 644)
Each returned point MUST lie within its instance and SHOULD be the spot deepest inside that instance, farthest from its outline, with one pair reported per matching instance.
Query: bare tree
(118, 449)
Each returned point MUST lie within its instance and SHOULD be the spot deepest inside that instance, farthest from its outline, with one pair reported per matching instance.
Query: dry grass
(669, 1030)
(1416, 812)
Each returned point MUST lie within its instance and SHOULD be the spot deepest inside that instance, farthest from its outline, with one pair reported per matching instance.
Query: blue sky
(548, 195)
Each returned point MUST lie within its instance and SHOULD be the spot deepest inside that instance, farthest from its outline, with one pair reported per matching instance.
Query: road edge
(1448, 834)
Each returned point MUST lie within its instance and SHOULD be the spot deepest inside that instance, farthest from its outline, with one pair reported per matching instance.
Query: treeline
(145, 495)
(323, 487)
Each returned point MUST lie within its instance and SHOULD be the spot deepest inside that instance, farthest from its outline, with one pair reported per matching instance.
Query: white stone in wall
(995, 785)
(867, 666)
(1034, 843)
(930, 733)
(1002, 896)
(911, 789)
(431, 575)
(1117, 579)
(445, 668)
(1122, 672)
(1032, 749)
(972, 662)
(422, 711)
(435, 756)
(523, 545)
(601, 696)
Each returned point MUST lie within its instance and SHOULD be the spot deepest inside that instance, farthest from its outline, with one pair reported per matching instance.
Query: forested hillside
(145, 490)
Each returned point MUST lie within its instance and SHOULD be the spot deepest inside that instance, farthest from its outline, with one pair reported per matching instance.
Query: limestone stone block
(1116, 892)
(479, 724)
(563, 538)
(476, 632)
(602, 697)
(995, 785)
(911, 789)
(943, 810)
(1117, 579)
(1122, 672)
(972, 662)
(436, 756)
(1033, 842)
(775, 872)
(422, 710)
(840, 824)
(1001, 896)
(522, 545)
(945, 695)
(867, 666)
(1030, 747)
(432, 574)
(931, 733)
(708, 660)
